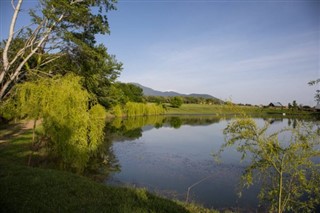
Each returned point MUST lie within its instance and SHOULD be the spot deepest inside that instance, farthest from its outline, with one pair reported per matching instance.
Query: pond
(173, 157)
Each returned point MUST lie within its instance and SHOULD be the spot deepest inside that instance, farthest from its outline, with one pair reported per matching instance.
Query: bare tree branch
(76, 1)
(15, 75)
(51, 60)
(12, 4)
(27, 45)
(11, 34)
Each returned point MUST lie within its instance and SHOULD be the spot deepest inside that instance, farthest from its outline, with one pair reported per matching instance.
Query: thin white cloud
(199, 60)
(286, 58)
(233, 67)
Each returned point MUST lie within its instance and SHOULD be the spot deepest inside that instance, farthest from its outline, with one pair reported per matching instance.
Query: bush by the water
(132, 109)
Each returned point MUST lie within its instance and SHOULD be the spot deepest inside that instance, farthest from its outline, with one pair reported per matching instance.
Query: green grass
(25, 189)
(203, 109)
(28, 189)
(195, 109)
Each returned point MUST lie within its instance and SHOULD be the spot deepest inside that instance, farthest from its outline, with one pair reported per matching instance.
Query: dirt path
(13, 130)
(29, 124)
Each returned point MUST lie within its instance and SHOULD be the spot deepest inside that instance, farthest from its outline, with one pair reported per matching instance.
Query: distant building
(275, 104)
(317, 107)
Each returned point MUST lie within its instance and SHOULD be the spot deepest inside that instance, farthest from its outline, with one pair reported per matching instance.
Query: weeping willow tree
(72, 122)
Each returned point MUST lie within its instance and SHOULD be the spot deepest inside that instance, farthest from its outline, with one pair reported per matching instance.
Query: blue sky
(250, 51)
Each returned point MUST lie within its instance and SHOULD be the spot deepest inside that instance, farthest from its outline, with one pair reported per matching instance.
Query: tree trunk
(33, 140)
(280, 193)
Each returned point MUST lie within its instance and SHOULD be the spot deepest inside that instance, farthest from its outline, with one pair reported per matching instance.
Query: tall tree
(131, 91)
(176, 101)
(294, 104)
(61, 27)
(98, 69)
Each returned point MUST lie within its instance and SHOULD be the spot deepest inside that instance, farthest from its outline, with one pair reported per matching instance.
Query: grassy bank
(28, 189)
(25, 189)
(203, 109)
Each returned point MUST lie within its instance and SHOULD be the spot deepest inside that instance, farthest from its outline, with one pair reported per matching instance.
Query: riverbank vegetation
(131, 109)
(183, 99)
(144, 109)
(229, 109)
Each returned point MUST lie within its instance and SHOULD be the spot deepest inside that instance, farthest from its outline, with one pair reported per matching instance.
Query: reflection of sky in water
(168, 161)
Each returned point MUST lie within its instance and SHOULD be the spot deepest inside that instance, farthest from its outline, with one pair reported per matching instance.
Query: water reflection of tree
(123, 129)
(274, 120)
(175, 122)
(105, 161)
(292, 122)
(195, 120)
(126, 129)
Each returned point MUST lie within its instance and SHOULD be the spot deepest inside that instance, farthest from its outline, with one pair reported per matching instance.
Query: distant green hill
(151, 92)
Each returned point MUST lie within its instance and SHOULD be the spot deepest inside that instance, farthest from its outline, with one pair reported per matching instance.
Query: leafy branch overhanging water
(288, 169)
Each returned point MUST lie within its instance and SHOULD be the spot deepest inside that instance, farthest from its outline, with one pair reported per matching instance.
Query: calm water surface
(167, 155)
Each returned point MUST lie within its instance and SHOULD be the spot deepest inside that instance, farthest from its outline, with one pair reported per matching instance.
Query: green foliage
(8, 109)
(287, 169)
(201, 109)
(317, 95)
(185, 100)
(114, 97)
(72, 123)
(294, 105)
(77, 31)
(117, 111)
(176, 102)
(98, 69)
(157, 99)
(132, 92)
(61, 40)
(120, 93)
(96, 124)
(138, 109)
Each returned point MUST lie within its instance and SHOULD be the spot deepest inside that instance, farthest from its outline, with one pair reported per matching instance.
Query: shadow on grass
(8, 131)
(15, 144)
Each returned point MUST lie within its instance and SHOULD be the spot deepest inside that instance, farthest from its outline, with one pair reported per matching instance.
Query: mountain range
(151, 92)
